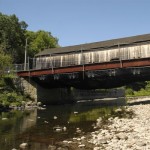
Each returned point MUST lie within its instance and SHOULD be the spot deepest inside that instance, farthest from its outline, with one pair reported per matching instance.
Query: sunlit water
(38, 127)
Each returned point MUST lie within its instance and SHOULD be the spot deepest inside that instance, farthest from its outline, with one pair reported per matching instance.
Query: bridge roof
(97, 45)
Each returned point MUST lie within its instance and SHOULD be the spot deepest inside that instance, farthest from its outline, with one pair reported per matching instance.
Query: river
(41, 128)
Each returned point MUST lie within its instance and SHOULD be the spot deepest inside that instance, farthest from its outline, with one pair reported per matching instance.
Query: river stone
(96, 148)
(62, 148)
(4, 118)
(121, 136)
(83, 137)
(103, 141)
(81, 145)
(51, 147)
(118, 110)
(140, 143)
(23, 145)
(39, 103)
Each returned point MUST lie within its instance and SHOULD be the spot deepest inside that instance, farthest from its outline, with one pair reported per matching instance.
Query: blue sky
(82, 21)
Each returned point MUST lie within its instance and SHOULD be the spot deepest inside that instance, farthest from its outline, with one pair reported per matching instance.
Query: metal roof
(97, 45)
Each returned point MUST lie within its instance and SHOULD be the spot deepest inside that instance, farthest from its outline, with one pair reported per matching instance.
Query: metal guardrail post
(83, 67)
(121, 65)
(52, 64)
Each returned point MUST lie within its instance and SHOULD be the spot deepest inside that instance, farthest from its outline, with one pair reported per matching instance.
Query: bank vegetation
(14, 37)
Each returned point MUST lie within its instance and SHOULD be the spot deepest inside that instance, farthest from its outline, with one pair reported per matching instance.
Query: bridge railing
(35, 64)
(19, 67)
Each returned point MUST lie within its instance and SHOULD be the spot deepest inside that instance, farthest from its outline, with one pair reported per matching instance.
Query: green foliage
(9, 95)
(138, 89)
(137, 85)
(11, 98)
(5, 61)
(12, 36)
(40, 40)
(129, 92)
(2, 83)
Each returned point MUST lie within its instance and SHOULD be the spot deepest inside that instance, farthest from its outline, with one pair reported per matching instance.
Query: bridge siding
(90, 56)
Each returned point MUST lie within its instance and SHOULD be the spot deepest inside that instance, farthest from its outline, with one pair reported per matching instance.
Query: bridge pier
(44, 95)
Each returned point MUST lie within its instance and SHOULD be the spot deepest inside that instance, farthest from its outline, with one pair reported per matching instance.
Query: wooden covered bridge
(104, 64)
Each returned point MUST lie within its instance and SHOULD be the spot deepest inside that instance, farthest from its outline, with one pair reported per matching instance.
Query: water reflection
(38, 127)
(15, 122)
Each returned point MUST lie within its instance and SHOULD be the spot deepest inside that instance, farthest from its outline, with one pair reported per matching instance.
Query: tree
(12, 36)
(5, 61)
(40, 40)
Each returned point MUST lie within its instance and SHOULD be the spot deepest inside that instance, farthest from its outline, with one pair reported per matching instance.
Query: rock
(78, 130)
(41, 108)
(118, 110)
(29, 103)
(62, 148)
(45, 121)
(39, 103)
(81, 145)
(31, 120)
(121, 136)
(103, 141)
(74, 139)
(75, 112)
(52, 147)
(69, 142)
(23, 145)
(97, 148)
(4, 118)
(99, 121)
(55, 117)
(64, 129)
(83, 137)
(140, 143)
(58, 129)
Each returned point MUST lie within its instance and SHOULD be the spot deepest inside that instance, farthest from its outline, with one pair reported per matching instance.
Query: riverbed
(41, 129)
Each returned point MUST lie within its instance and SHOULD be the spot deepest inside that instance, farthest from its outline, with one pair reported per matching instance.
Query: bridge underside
(95, 79)
(95, 76)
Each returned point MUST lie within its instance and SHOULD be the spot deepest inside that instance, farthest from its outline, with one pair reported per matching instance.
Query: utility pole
(25, 55)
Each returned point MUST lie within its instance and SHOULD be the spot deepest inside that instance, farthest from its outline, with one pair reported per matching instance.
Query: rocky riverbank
(126, 133)
(24, 105)
(130, 131)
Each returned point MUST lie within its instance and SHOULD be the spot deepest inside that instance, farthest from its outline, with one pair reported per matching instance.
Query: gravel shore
(126, 133)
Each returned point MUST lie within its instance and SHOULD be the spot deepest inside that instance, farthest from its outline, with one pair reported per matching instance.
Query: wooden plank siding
(89, 57)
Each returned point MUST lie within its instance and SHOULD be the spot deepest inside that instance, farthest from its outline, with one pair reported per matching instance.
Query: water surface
(38, 127)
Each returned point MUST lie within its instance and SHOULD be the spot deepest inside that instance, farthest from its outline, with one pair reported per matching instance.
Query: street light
(25, 55)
